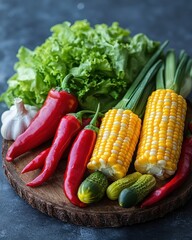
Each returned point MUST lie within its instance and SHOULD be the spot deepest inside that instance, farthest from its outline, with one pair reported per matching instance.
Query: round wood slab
(50, 198)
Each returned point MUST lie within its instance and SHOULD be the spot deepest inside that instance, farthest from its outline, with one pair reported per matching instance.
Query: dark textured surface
(27, 22)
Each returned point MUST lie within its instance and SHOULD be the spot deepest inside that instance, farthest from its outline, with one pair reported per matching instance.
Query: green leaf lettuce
(104, 60)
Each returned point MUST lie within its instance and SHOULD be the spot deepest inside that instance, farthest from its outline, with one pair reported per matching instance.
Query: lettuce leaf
(104, 61)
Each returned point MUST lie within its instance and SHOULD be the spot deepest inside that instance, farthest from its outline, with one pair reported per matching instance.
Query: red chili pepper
(183, 171)
(68, 127)
(37, 162)
(77, 161)
(43, 127)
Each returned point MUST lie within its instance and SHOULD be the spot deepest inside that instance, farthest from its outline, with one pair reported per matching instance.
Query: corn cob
(120, 128)
(117, 139)
(163, 126)
(162, 134)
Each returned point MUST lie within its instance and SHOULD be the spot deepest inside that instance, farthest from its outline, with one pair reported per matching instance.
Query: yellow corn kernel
(122, 128)
(168, 134)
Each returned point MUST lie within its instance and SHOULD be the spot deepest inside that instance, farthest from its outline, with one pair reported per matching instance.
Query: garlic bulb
(16, 120)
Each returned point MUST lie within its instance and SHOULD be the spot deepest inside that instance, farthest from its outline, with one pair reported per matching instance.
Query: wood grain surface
(50, 199)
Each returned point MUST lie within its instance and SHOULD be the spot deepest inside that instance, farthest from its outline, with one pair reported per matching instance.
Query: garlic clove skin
(17, 119)
(4, 115)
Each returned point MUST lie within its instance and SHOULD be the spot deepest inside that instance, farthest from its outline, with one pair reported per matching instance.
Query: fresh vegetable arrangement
(117, 102)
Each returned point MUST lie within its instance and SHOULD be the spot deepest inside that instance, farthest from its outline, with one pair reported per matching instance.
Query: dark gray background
(27, 22)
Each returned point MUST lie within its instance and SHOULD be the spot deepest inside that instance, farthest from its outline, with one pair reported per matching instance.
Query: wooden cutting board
(50, 198)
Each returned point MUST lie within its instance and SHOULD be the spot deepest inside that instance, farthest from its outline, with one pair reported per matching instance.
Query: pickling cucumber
(137, 192)
(114, 189)
(93, 188)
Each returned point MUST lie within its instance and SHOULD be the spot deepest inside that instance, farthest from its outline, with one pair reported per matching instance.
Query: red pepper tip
(30, 184)
(144, 205)
(25, 170)
(9, 159)
(82, 205)
(78, 203)
(34, 183)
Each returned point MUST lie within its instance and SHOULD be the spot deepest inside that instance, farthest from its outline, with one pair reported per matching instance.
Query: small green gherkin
(137, 192)
(114, 189)
(93, 188)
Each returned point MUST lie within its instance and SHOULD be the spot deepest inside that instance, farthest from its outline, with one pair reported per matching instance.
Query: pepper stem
(66, 81)
(92, 124)
(79, 115)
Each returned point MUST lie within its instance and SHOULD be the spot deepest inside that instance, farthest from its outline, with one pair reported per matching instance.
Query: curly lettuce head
(104, 61)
